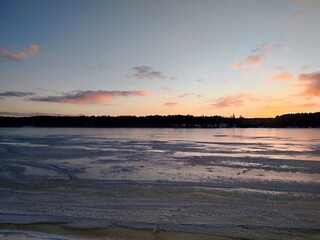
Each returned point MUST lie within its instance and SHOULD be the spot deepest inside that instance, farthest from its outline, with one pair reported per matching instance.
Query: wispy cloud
(267, 48)
(280, 69)
(295, 15)
(305, 67)
(145, 72)
(184, 95)
(240, 64)
(251, 62)
(311, 83)
(281, 77)
(89, 97)
(283, 74)
(171, 104)
(15, 94)
(166, 89)
(310, 105)
(230, 101)
(89, 68)
(241, 99)
(29, 51)
(245, 73)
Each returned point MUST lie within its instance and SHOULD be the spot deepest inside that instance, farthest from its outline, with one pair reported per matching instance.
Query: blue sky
(254, 58)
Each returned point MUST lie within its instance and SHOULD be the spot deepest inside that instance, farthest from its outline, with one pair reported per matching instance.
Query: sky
(251, 58)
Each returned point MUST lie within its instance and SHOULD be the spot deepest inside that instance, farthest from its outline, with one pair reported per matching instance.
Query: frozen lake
(251, 175)
(192, 155)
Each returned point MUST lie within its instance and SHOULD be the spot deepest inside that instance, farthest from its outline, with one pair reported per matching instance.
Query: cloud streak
(171, 104)
(29, 51)
(145, 72)
(267, 48)
(89, 68)
(280, 69)
(89, 97)
(281, 77)
(251, 62)
(184, 95)
(296, 15)
(311, 83)
(15, 94)
(230, 101)
(241, 99)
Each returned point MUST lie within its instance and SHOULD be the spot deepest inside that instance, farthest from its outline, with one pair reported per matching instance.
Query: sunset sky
(144, 57)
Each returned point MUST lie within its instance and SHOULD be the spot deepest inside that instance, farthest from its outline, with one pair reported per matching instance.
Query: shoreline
(171, 211)
(62, 231)
(111, 232)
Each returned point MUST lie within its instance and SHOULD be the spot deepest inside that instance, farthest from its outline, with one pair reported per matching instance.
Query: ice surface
(158, 154)
(200, 178)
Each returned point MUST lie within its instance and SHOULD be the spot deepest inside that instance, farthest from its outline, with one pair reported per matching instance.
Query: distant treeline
(300, 120)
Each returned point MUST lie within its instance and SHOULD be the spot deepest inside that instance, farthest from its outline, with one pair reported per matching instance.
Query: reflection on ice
(231, 154)
(197, 155)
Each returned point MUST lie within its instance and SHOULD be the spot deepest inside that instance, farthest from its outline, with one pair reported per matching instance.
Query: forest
(297, 120)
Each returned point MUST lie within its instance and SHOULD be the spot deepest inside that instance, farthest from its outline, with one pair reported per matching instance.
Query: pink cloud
(170, 104)
(29, 51)
(245, 73)
(251, 62)
(255, 59)
(230, 101)
(238, 65)
(89, 97)
(311, 83)
(281, 77)
(241, 99)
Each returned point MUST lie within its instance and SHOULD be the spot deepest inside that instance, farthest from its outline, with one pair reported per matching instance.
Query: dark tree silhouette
(301, 120)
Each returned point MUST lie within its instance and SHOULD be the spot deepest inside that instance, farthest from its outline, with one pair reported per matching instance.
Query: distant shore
(297, 120)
